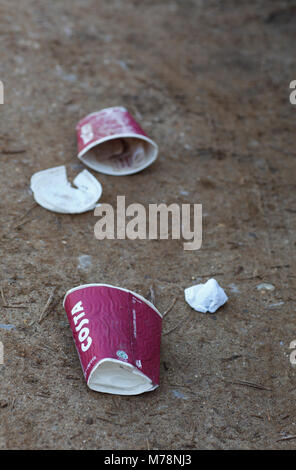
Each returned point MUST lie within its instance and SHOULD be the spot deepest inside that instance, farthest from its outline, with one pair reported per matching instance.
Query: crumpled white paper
(54, 192)
(206, 297)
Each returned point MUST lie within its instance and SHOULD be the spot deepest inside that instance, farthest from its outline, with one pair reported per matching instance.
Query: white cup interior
(117, 377)
(121, 155)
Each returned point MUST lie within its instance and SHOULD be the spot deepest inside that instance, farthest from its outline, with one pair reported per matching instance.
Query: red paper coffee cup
(112, 142)
(117, 334)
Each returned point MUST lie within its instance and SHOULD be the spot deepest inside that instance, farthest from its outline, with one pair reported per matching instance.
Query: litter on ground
(206, 297)
(265, 286)
(54, 192)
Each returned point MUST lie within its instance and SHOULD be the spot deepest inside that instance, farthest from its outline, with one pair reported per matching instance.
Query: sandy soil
(209, 81)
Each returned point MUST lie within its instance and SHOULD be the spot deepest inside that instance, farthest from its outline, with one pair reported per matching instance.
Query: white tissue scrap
(206, 297)
(54, 192)
(265, 286)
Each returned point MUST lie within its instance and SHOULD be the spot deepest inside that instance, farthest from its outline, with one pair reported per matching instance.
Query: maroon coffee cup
(112, 142)
(117, 334)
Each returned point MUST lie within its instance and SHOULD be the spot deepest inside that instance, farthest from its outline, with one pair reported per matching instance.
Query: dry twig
(25, 215)
(249, 384)
(173, 329)
(5, 304)
(45, 309)
(11, 151)
(170, 307)
(152, 295)
(286, 438)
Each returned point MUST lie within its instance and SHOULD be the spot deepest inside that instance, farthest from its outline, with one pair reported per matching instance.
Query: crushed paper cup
(206, 297)
(54, 192)
(117, 334)
(112, 142)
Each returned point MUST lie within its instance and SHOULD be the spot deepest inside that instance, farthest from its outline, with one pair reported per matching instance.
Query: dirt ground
(209, 81)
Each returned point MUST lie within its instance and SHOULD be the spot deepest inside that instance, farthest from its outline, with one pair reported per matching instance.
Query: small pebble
(178, 394)
(6, 327)
(84, 262)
